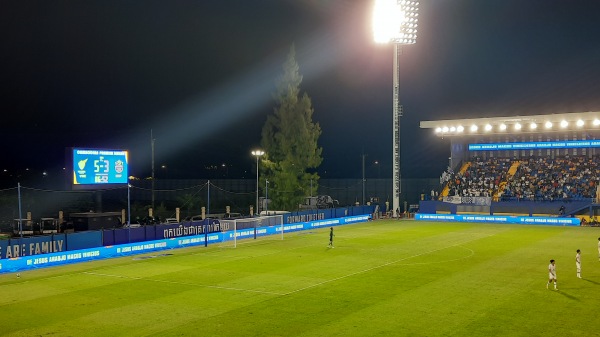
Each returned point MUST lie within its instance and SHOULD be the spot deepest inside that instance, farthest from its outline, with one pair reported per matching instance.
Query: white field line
(381, 266)
(184, 283)
(284, 294)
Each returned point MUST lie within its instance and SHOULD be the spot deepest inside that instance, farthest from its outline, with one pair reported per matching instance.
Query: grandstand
(545, 165)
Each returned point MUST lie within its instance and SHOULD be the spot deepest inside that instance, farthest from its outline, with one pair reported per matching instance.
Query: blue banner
(523, 220)
(321, 214)
(567, 144)
(32, 245)
(23, 262)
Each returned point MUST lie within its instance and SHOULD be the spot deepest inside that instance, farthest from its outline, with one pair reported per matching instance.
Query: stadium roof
(573, 121)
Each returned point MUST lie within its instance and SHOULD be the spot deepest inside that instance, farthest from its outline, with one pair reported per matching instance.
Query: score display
(99, 166)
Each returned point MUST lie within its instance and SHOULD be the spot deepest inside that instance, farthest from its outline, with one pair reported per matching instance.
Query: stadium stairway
(511, 172)
(462, 170)
(513, 168)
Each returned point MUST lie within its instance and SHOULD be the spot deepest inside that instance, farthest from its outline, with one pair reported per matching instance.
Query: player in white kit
(578, 263)
(552, 274)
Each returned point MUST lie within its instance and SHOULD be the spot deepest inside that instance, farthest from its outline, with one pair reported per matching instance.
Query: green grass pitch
(383, 278)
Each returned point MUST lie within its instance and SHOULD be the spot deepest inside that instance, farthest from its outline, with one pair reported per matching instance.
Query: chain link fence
(238, 195)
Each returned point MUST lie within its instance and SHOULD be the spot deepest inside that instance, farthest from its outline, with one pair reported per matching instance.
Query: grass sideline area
(383, 278)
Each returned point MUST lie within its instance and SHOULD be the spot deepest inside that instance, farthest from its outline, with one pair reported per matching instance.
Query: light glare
(395, 21)
(387, 17)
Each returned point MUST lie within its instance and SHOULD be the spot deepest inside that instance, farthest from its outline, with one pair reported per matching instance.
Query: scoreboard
(99, 167)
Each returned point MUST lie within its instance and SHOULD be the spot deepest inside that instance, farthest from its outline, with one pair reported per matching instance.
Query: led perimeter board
(565, 144)
(98, 168)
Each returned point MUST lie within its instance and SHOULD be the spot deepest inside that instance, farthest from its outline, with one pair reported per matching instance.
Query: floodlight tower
(395, 21)
(257, 154)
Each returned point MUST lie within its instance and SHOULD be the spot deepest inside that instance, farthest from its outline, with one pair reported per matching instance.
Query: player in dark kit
(331, 238)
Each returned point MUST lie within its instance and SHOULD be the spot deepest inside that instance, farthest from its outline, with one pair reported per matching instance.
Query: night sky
(201, 74)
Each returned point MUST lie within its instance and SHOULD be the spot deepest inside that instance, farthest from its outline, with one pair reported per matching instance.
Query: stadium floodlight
(502, 127)
(596, 122)
(564, 124)
(445, 129)
(488, 127)
(460, 128)
(438, 130)
(257, 154)
(474, 128)
(580, 123)
(548, 125)
(533, 126)
(518, 126)
(396, 21)
(453, 129)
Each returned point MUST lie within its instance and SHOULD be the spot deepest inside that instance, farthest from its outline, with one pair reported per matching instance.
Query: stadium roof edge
(449, 127)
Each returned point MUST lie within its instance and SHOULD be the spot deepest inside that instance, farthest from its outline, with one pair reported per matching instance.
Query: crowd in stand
(481, 178)
(537, 178)
(548, 179)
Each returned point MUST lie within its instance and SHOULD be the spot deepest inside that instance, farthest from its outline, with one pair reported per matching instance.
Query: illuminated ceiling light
(474, 128)
(502, 127)
(596, 122)
(518, 126)
(548, 125)
(488, 127)
(445, 129)
(533, 126)
(460, 128)
(452, 129)
(564, 124)
(580, 123)
(438, 130)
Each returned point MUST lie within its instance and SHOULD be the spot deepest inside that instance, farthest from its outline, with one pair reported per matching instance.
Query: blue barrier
(523, 220)
(83, 240)
(60, 258)
(33, 245)
(321, 214)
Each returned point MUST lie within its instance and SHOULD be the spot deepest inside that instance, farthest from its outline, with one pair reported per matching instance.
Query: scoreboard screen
(95, 167)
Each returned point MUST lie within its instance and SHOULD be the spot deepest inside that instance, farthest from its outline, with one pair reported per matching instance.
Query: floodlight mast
(395, 21)
(257, 154)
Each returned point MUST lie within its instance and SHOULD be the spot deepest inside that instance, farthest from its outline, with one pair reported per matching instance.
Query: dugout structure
(519, 137)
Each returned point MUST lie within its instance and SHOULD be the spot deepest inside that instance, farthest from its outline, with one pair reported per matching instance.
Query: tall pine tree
(289, 138)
